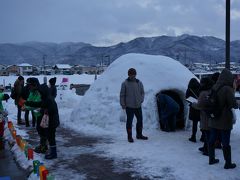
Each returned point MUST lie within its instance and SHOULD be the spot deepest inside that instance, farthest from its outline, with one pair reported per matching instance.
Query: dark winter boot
(27, 124)
(42, 148)
(192, 138)
(211, 153)
(20, 122)
(204, 149)
(1, 143)
(139, 134)
(33, 121)
(228, 158)
(202, 137)
(53, 153)
(129, 132)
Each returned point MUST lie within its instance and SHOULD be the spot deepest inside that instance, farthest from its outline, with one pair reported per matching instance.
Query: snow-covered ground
(164, 155)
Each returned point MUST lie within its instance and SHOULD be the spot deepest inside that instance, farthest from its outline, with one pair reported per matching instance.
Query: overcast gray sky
(107, 22)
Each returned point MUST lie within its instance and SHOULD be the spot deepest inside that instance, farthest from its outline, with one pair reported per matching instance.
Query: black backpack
(212, 107)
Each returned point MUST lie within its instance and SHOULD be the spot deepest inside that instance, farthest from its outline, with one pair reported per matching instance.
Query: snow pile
(100, 106)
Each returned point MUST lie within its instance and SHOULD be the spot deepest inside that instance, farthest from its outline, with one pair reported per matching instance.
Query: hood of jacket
(225, 78)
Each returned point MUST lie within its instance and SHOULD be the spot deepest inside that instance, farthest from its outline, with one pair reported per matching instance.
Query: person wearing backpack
(224, 123)
(18, 87)
(194, 114)
(205, 88)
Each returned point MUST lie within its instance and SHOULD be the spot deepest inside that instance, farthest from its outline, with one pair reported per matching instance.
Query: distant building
(13, 70)
(25, 69)
(80, 69)
(63, 69)
(3, 71)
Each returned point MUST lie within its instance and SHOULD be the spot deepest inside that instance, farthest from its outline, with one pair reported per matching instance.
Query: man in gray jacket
(131, 98)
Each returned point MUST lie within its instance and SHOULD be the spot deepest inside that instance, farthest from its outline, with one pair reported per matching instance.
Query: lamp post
(227, 51)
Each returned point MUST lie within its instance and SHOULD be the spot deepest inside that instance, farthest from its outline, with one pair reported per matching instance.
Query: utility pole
(44, 70)
(44, 62)
(227, 51)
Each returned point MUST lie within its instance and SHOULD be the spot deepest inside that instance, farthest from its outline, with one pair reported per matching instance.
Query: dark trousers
(225, 136)
(1, 129)
(168, 123)
(194, 128)
(130, 115)
(51, 136)
(206, 134)
(19, 113)
(27, 117)
(41, 131)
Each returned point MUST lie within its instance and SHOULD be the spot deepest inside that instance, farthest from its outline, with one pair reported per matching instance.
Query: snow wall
(100, 107)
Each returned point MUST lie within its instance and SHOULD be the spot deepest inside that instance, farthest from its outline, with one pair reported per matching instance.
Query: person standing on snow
(18, 87)
(48, 107)
(194, 114)
(33, 99)
(131, 99)
(25, 94)
(205, 89)
(52, 87)
(223, 124)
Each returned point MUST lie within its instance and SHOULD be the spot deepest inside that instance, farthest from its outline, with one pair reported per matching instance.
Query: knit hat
(33, 81)
(52, 81)
(132, 71)
(20, 78)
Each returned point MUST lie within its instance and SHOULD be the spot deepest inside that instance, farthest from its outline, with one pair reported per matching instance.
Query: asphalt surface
(8, 166)
(83, 162)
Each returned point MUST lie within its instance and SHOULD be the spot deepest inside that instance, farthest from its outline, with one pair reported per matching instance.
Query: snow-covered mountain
(185, 48)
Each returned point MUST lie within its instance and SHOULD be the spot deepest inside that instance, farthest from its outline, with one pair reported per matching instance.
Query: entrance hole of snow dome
(179, 97)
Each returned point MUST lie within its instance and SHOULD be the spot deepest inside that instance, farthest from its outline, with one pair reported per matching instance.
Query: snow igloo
(100, 106)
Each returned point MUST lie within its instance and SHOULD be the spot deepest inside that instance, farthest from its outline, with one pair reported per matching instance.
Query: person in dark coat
(18, 87)
(224, 123)
(205, 88)
(48, 107)
(194, 114)
(168, 110)
(25, 94)
(52, 87)
(218, 144)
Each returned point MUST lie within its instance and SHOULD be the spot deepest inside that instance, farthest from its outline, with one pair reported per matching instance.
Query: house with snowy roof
(62, 69)
(25, 68)
(100, 106)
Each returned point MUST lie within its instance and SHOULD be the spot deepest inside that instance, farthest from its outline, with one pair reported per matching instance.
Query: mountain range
(185, 48)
